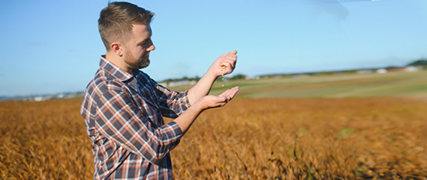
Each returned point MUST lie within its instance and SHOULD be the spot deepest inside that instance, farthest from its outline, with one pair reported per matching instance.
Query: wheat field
(281, 138)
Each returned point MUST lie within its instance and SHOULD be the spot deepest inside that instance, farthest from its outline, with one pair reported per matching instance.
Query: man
(124, 108)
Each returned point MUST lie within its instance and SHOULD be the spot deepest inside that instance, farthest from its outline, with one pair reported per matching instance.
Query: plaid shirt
(124, 119)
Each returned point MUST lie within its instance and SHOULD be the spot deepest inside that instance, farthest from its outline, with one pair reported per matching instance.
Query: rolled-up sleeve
(172, 103)
(121, 121)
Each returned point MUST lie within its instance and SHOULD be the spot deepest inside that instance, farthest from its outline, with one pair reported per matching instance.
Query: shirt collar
(114, 70)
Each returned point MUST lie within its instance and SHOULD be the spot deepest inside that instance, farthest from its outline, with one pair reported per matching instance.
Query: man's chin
(144, 65)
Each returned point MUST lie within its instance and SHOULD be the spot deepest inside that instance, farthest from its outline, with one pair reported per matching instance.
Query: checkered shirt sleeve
(172, 103)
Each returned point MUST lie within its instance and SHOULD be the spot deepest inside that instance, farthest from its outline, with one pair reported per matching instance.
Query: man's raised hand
(224, 64)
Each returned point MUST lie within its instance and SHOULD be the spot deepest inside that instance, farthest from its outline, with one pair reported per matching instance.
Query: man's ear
(117, 48)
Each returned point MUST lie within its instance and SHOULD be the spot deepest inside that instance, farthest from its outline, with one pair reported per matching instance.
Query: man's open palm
(212, 101)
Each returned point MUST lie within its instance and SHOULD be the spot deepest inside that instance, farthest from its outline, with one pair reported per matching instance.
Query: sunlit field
(371, 135)
(365, 138)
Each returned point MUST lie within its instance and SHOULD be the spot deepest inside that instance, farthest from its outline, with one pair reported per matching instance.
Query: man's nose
(151, 48)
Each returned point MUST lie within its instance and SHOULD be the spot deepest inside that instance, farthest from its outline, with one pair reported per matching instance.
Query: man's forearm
(187, 118)
(201, 88)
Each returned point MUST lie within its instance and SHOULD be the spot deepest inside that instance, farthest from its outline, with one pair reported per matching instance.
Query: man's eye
(146, 42)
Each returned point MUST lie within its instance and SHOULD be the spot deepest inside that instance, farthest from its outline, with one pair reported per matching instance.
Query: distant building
(412, 68)
(381, 71)
(41, 98)
(180, 83)
(60, 96)
(251, 77)
(299, 76)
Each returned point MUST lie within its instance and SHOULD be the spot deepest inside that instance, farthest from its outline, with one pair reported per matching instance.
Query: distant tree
(391, 67)
(238, 76)
(420, 62)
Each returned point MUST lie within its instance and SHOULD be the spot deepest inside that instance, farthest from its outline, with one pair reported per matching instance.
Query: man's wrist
(212, 75)
(200, 105)
(209, 76)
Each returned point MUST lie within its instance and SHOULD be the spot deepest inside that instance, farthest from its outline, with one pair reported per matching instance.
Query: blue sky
(54, 46)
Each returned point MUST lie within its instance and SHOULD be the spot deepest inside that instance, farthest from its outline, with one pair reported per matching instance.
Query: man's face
(138, 47)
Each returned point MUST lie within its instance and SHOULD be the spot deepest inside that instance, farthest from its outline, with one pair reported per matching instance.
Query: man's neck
(119, 62)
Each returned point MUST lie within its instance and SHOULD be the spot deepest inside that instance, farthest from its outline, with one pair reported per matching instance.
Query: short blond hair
(115, 21)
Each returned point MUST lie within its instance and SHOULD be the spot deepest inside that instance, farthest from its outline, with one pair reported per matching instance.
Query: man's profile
(123, 107)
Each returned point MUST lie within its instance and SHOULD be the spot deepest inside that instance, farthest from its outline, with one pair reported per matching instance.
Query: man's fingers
(225, 93)
(233, 91)
(229, 64)
(224, 98)
(230, 93)
(232, 52)
(228, 67)
(229, 59)
(222, 101)
(231, 55)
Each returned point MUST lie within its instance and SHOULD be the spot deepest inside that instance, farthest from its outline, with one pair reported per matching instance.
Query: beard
(137, 63)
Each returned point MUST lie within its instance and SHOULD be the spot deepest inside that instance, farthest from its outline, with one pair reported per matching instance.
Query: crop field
(365, 138)
(340, 127)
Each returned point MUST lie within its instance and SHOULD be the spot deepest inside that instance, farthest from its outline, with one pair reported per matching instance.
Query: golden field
(327, 138)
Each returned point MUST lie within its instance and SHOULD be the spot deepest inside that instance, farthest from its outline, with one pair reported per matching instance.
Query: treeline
(421, 62)
(197, 78)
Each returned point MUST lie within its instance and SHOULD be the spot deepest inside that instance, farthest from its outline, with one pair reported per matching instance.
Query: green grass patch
(394, 84)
